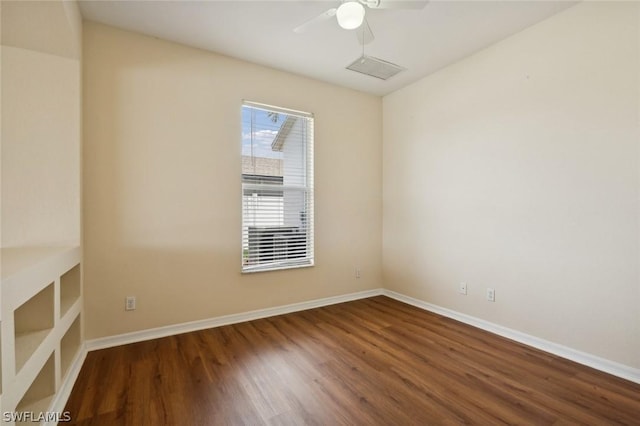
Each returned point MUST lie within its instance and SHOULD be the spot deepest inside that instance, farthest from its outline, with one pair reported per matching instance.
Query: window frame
(308, 260)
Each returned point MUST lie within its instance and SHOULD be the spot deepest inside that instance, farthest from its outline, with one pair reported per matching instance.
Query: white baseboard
(611, 367)
(170, 330)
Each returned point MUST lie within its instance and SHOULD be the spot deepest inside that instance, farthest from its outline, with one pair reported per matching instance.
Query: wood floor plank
(374, 361)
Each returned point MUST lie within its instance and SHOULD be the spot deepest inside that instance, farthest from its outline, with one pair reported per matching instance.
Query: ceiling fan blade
(364, 33)
(397, 4)
(313, 21)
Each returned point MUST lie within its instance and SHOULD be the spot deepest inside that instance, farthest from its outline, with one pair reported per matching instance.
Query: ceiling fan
(350, 15)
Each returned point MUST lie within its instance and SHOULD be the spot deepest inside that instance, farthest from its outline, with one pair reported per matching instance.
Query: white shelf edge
(16, 260)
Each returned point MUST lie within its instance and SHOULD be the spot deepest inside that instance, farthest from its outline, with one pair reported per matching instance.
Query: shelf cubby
(33, 321)
(38, 397)
(69, 289)
(69, 346)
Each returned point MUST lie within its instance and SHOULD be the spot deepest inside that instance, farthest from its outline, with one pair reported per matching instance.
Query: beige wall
(517, 169)
(41, 48)
(162, 194)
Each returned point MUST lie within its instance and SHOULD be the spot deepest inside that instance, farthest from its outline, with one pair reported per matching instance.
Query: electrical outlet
(357, 272)
(462, 288)
(130, 303)
(491, 295)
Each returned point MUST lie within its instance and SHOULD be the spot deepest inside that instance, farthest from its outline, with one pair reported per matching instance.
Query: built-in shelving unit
(41, 324)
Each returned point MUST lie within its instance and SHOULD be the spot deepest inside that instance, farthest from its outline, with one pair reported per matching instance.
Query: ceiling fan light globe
(350, 15)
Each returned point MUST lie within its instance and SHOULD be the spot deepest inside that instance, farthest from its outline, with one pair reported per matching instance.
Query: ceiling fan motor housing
(350, 15)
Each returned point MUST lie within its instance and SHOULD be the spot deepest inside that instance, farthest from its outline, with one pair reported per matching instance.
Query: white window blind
(277, 188)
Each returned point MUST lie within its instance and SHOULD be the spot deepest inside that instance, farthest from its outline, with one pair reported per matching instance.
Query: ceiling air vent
(375, 67)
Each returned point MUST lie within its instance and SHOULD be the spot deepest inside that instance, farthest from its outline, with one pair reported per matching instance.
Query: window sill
(269, 268)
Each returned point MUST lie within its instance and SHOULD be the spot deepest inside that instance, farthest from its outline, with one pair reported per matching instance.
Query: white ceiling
(422, 41)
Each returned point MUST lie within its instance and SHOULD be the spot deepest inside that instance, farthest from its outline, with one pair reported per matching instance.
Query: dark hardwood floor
(369, 362)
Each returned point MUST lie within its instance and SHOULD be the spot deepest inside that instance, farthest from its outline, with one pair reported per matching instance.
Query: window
(277, 188)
